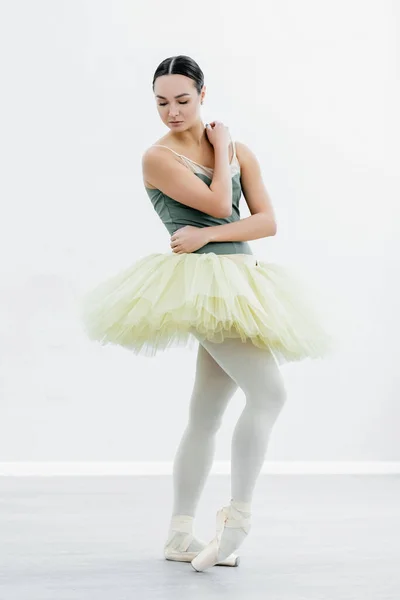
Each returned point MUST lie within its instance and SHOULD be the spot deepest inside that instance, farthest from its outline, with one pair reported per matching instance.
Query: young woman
(249, 316)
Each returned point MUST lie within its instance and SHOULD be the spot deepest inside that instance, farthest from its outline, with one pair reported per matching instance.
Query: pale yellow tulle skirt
(159, 300)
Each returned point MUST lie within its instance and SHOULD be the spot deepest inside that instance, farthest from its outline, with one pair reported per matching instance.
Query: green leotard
(175, 215)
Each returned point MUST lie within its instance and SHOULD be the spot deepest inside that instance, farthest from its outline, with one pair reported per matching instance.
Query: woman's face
(177, 100)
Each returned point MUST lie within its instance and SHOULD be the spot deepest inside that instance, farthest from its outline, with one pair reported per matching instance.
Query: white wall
(312, 88)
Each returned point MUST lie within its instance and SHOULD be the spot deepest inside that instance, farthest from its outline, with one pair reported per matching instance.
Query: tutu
(159, 301)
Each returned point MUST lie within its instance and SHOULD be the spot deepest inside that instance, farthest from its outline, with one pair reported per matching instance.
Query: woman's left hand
(189, 239)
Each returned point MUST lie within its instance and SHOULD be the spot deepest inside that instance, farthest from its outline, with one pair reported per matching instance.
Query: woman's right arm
(164, 171)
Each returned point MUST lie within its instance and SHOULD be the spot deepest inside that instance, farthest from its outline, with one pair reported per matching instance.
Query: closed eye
(179, 103)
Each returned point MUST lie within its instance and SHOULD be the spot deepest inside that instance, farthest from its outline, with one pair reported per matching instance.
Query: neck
(195, 136)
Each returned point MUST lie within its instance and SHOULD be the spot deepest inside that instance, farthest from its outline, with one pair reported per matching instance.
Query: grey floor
(314, 537)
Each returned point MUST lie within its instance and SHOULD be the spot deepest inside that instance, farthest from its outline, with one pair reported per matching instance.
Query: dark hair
(181, 65)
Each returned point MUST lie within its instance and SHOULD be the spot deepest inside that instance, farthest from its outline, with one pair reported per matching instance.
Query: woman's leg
(212, 390)
(256, 372)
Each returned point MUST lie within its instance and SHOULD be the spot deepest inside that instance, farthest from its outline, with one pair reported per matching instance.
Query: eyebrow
(178, 96)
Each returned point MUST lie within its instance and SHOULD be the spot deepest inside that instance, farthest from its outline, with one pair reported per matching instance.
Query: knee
(204, 427)
(270, 398)
(279, 395)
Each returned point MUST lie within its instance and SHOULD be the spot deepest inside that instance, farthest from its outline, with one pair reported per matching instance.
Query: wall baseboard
(103, 468)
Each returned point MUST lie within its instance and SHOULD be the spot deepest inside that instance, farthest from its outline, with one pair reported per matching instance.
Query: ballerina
(248, 315)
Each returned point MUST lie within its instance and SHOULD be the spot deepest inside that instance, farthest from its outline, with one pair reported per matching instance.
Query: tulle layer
(159, 301)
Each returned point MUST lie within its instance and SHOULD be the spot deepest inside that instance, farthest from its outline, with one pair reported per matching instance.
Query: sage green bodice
(175, 215)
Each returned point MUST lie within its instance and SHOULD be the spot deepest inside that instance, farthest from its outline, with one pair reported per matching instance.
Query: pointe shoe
(182, 554)
(208, 557)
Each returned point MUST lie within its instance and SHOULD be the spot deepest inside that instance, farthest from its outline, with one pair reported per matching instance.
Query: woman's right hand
(218, 134)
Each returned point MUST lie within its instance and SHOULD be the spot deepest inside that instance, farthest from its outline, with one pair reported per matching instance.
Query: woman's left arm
(262, 222)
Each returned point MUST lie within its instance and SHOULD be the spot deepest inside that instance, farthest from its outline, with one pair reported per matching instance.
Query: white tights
(220, 369)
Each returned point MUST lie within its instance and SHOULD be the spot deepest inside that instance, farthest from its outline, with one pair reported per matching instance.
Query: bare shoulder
(151, 158)
(154, 153)
(153, 148)
(163, 141)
